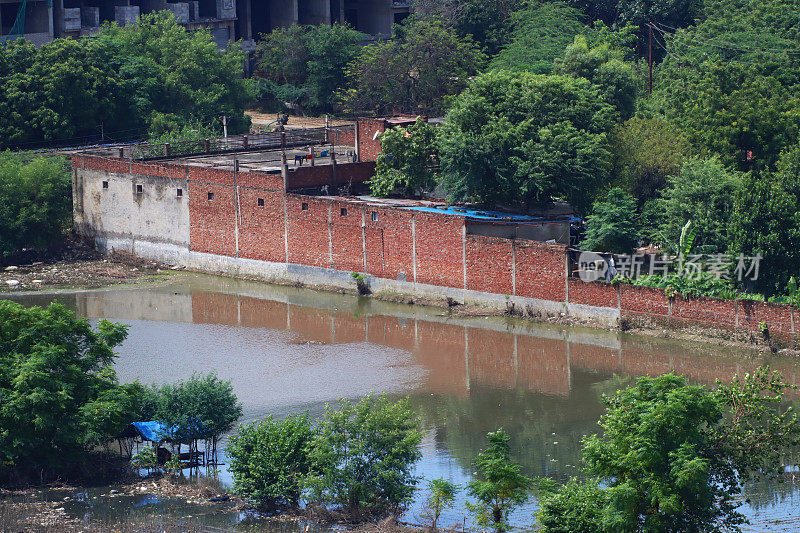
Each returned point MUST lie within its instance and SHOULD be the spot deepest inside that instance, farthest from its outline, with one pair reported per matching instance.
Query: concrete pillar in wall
(314, 12)
(283, 13)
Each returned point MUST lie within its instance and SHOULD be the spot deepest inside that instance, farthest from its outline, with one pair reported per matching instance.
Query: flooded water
(287, 350)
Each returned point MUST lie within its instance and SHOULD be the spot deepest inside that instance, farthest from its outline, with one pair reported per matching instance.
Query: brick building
(299, 215)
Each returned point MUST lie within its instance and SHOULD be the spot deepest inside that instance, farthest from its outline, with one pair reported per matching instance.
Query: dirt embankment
(78, 267)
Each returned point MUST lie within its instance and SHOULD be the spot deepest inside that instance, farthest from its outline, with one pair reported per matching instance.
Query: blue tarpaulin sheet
(158, 431)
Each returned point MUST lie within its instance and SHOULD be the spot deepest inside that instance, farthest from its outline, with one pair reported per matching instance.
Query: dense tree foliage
(59, 397)
(413, 72)
(35, 202)
(150, 76)
(485, 21)
(612, 225)
(647, 151)
(766, 220)
(305, 65)
(540, 34)
(407, 161)
(673, 456)
(605, 68)
(526, 139)
(270, 460)
(363, 456)
(703, 192)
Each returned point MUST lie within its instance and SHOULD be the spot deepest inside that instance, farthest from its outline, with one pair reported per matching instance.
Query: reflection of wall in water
(459, 357)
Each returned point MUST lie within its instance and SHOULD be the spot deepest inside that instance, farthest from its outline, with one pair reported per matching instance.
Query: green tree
(525, 139)
(35, 202)
(646, 151)
(269, 460)
(702, 192)
(413, 72)
(485, 21)
(766, 220)
(59, 397)
(612, 225)
(604, 67)
(674, 456)
(310, 60)
(364, 455)
(198, 407)
(407, 161)
(541, 33)
(502, 487)
(441, 496)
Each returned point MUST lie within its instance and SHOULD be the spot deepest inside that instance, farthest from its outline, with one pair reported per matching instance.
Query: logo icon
(592, 266)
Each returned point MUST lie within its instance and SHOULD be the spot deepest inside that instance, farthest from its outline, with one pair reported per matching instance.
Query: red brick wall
(643, 301)
(212, 223)
(308, 231)
(346, 236)
(394, 251)
(540, 270)
(261, 227)
(707, 311)
(316, 176)
(489, 264)
(369, 146)
(596, 293)
(440, 249)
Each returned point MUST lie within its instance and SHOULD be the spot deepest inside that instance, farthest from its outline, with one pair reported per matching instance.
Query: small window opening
(343, 212)
(260, 202)
(304, 206)
(105, 185)
(180, 193)
(139, 189)
(211, 196)
(374, 216)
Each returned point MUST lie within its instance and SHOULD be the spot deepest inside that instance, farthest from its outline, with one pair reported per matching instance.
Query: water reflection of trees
(535, 421)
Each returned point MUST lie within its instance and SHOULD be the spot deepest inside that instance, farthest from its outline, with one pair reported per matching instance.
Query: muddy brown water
(288, 349)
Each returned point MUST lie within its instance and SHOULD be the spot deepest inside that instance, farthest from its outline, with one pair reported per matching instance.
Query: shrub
(364, 456)
(35, 202)
(576, 506)
(441, 496)
(612, 225)
(269, 460)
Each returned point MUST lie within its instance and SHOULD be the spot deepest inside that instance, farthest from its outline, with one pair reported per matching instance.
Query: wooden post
(207, 145)
(245, 142)
(167, 149)
(311, 152)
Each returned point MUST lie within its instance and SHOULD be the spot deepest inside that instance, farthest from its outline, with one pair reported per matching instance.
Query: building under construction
(40, 21)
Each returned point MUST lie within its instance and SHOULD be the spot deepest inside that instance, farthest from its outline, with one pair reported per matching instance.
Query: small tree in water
(503, 488)
(441, 495)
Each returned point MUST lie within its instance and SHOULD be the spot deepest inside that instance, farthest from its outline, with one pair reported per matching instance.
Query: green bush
(363, 456)
(269, 460)
(35, 202)
(441, 496)
(612, 225)
(675, 456)
(59, 397)
(407, 161)
(576, 506)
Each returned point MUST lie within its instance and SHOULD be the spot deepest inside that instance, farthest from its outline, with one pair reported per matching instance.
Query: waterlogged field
(288, 350)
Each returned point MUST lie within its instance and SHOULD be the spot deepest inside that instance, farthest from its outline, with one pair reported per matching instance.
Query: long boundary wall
(245, 223)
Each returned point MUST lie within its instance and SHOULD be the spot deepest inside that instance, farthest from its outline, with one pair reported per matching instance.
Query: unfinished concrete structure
(40, 21)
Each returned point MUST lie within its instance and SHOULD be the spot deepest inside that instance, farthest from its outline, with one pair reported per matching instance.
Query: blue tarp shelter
(155, 431)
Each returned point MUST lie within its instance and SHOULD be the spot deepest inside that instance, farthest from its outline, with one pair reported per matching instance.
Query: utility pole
(650, 59)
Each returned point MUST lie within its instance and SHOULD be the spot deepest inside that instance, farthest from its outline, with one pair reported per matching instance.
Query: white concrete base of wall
(325, 277)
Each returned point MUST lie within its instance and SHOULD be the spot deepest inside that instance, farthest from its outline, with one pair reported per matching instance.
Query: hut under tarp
(157, 433)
